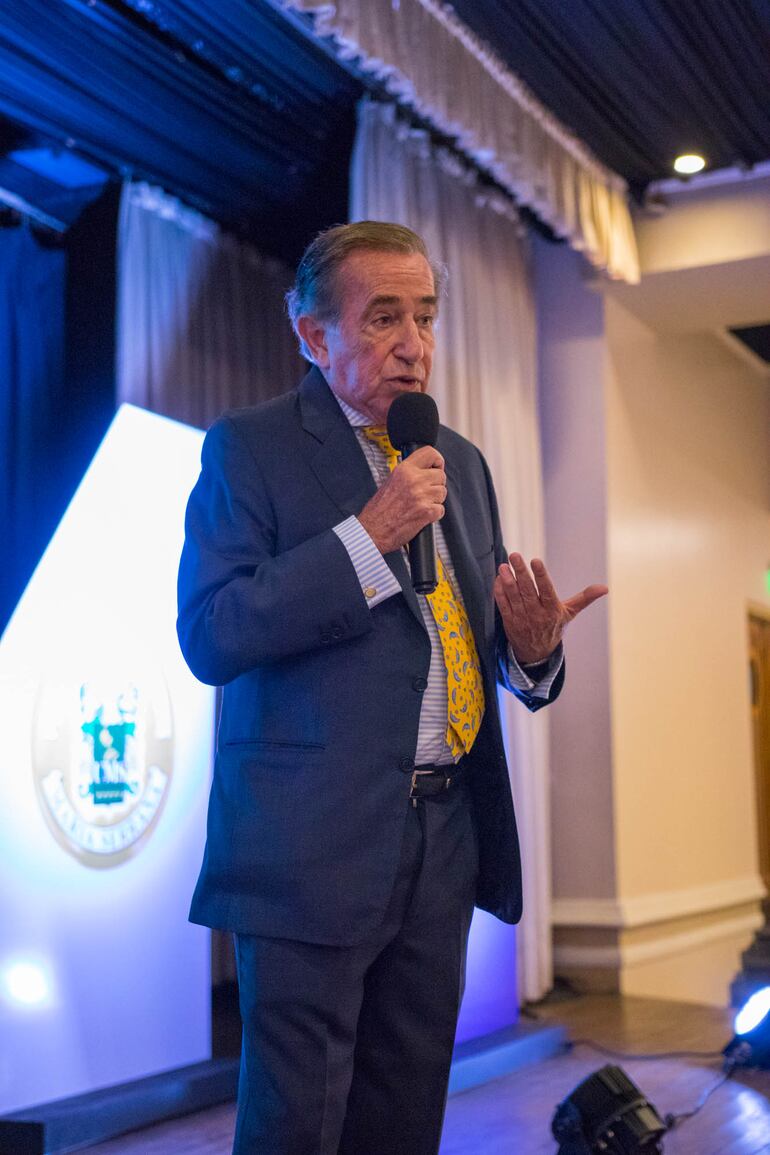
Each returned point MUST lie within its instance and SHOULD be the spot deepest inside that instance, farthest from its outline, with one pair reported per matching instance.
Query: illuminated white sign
(105, 751)
(102, 759)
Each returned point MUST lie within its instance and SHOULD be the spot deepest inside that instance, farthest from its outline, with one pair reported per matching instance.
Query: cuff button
(370, 592)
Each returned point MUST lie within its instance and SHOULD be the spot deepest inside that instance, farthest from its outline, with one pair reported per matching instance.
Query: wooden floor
(512, 1115)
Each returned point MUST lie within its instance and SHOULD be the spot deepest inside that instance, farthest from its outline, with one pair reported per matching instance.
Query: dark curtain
(57, 378)
(32, 403)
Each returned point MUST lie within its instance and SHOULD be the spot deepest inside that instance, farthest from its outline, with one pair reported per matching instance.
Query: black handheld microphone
(412, 423)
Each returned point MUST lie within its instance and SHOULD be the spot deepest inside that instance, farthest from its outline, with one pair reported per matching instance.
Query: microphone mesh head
(412, 420)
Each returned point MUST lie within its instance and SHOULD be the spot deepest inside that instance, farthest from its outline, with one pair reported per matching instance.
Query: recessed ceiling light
(689, 163)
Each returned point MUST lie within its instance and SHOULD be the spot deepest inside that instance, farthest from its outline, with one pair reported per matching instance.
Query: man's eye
(428, 320)
(382, 320)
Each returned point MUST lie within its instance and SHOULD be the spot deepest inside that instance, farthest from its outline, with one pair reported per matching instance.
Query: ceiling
(224, 104)
(233, 107)
(640, 81)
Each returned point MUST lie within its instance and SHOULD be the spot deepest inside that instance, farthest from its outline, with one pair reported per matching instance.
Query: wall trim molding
(625, 914)
(622, 955)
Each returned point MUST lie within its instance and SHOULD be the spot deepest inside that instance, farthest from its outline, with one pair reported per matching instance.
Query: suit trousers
(347, 1049)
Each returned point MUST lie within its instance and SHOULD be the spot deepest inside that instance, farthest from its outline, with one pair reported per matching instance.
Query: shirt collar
(356, 419)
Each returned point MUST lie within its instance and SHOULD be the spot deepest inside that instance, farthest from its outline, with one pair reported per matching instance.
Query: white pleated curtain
(201, 328)
(425, 58)
(484, 382)
(201, 322)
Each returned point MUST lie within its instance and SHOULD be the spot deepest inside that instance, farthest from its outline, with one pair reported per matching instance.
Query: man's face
(382, 343)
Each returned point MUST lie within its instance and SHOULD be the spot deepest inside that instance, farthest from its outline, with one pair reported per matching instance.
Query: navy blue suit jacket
(322, 695)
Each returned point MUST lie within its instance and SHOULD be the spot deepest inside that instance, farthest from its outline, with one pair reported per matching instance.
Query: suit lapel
(337, 461)
(340, 465)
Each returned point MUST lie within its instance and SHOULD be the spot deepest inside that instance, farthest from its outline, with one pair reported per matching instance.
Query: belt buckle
(415, 775)
(419, 774)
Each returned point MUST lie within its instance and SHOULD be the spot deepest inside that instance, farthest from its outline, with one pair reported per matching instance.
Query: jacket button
(420, 684)
(406, 764)
(337, 632)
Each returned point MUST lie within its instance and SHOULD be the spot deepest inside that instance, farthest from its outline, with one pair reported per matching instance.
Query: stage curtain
(427, 59)
(201, 321)
(201, 328)
(484, 384)
(33, 413)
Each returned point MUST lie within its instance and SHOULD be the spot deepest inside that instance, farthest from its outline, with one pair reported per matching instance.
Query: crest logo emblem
(102, 761)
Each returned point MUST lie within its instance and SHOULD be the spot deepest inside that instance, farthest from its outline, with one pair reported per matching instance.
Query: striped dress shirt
(379, 583)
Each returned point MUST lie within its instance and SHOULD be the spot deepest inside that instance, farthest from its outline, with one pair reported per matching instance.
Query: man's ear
(313, 333)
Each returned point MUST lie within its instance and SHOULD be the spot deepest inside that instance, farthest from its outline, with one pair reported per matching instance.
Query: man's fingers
(426, 457)
(507, 594)
(508, 584)
(586, 597)
(545, 587)
(533, 615)
(526, 585)
(545, 590)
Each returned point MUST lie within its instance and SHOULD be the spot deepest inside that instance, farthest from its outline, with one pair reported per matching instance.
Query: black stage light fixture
(607, 1114)
(750, 1045)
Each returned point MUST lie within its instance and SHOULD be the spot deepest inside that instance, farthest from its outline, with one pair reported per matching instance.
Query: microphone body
(422, 547)
(412, 423)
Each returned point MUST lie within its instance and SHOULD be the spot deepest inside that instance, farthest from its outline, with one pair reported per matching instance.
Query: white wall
(705, 223)
(571, 381)
(689, 543)
(657, 476)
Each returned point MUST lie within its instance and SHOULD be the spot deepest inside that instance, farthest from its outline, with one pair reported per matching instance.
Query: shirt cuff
(375, 575)
(518, 676)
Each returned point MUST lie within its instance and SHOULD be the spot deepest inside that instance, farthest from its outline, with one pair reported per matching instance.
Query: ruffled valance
(429, 60)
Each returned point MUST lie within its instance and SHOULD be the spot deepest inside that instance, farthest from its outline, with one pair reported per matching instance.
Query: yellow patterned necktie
(465, 689)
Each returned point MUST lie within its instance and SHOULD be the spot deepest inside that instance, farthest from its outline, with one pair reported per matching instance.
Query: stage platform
(79, 1122)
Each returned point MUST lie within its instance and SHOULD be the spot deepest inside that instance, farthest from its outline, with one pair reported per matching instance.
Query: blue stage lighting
(750, 1045)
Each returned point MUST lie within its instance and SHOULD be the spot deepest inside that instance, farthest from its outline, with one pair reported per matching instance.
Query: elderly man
(353, 821)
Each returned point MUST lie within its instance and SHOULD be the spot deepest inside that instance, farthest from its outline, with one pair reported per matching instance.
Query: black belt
(430, 779)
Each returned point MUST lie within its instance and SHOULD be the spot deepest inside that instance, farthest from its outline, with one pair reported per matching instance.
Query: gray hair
(315, 290)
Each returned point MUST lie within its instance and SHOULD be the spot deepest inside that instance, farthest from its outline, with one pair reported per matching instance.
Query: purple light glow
(490, 1001)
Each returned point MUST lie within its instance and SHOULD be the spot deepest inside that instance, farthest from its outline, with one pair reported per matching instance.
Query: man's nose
(410, 346)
